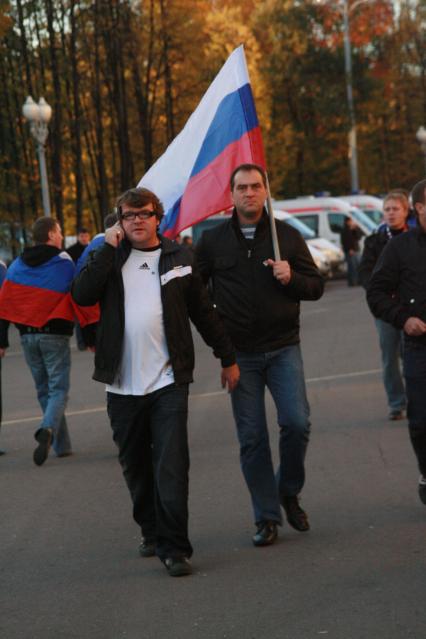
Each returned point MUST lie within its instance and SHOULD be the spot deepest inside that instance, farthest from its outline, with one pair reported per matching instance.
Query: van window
(311, 221)
(336, 221)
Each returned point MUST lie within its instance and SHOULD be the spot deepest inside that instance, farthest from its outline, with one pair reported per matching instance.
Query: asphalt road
(68, 546)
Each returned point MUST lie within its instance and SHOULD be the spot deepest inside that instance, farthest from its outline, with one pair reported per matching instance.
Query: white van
(326, 215)
(371, 205)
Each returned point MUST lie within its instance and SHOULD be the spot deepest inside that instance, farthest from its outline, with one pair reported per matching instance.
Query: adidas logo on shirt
(144, 266)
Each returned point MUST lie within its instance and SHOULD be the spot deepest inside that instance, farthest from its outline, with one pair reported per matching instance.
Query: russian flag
(192, 177)
(34, 295)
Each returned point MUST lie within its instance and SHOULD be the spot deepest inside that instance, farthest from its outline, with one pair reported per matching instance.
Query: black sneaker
(266, 533)
(178, 566)
(296, 516)
(44, 438)
(147, 548)
(422, 489)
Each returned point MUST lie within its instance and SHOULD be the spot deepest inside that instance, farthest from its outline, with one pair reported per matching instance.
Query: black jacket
(397, 288)
(260, 313)
(183, 298)
(349, 239)
(373, 246)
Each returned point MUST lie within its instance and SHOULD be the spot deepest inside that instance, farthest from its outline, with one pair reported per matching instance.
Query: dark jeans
(352, 262)
(391, 349)
(282, 373)
(151, 434)
(415, 385)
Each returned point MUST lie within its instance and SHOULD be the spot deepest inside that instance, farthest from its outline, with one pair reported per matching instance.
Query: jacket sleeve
(89, 285)
(383, 286)
(4, 330)
(306, 282)
(207, 321)
(368, 260)
(202, 259)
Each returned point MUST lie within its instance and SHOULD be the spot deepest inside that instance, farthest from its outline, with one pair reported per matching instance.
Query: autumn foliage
(122, 77)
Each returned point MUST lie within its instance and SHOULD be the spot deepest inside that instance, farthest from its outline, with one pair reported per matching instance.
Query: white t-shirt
(145, 363)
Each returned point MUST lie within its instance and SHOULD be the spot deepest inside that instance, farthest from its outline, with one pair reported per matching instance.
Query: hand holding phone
(114, 235)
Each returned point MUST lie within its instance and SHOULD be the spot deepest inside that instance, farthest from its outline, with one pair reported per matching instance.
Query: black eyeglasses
(131, 216)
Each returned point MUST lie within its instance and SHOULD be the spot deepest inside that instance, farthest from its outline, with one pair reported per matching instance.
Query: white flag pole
(276, 247)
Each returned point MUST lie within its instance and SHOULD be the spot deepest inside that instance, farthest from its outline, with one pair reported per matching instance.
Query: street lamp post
(38, 116)
(353, 154)
(421, 138)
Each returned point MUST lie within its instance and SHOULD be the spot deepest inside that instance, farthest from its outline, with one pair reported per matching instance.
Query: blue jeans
(415, 383)
(49, 359)
(352, 262)
(391, 348)
(282, 373)
(151, 434)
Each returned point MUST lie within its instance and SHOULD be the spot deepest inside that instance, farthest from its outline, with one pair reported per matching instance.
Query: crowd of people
(244, 299)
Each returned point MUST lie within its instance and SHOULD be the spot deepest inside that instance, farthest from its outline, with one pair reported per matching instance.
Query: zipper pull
(249, 253)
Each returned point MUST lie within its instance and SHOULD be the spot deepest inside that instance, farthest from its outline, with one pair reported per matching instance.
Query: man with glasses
(149, 289)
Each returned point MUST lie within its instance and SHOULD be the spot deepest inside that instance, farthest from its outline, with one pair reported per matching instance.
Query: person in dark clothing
(149, 289)
(259, 301)
(349, 238)
(83, 239)
(396, 293)
(395, 210)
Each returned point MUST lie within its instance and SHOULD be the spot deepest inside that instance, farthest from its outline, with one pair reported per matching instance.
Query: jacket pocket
(224, 262)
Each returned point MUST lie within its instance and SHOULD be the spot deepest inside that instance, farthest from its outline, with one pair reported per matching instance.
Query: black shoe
(422, 490)
(147, 548)
(178, 566)
(266, 533)
(44, 438)
(396, 415)
(296, 516)
(69, 453)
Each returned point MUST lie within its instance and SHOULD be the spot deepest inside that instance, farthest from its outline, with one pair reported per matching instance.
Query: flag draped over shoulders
(192, 177)
(34, 295)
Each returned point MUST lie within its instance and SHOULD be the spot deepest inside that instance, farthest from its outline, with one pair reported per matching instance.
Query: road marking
(100, 409)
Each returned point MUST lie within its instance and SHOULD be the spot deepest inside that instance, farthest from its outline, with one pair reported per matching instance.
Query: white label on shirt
(177, 271)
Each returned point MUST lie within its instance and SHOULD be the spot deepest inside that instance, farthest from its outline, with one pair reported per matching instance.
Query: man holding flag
(257, 297)
(259, 300)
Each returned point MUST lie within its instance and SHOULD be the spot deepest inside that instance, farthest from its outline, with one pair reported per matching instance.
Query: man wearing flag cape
(36, 296)
(257, 292)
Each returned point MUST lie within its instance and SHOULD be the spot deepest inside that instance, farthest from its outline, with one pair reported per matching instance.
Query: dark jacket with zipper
(397, 288)
(373, 246)
(183, 299)
(260, 313)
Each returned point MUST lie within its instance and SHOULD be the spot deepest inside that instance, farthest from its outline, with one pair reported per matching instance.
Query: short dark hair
(110, 220)
(41, 229)
(138, 198)
(418, 195)
(248, 167)
(82, 229)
